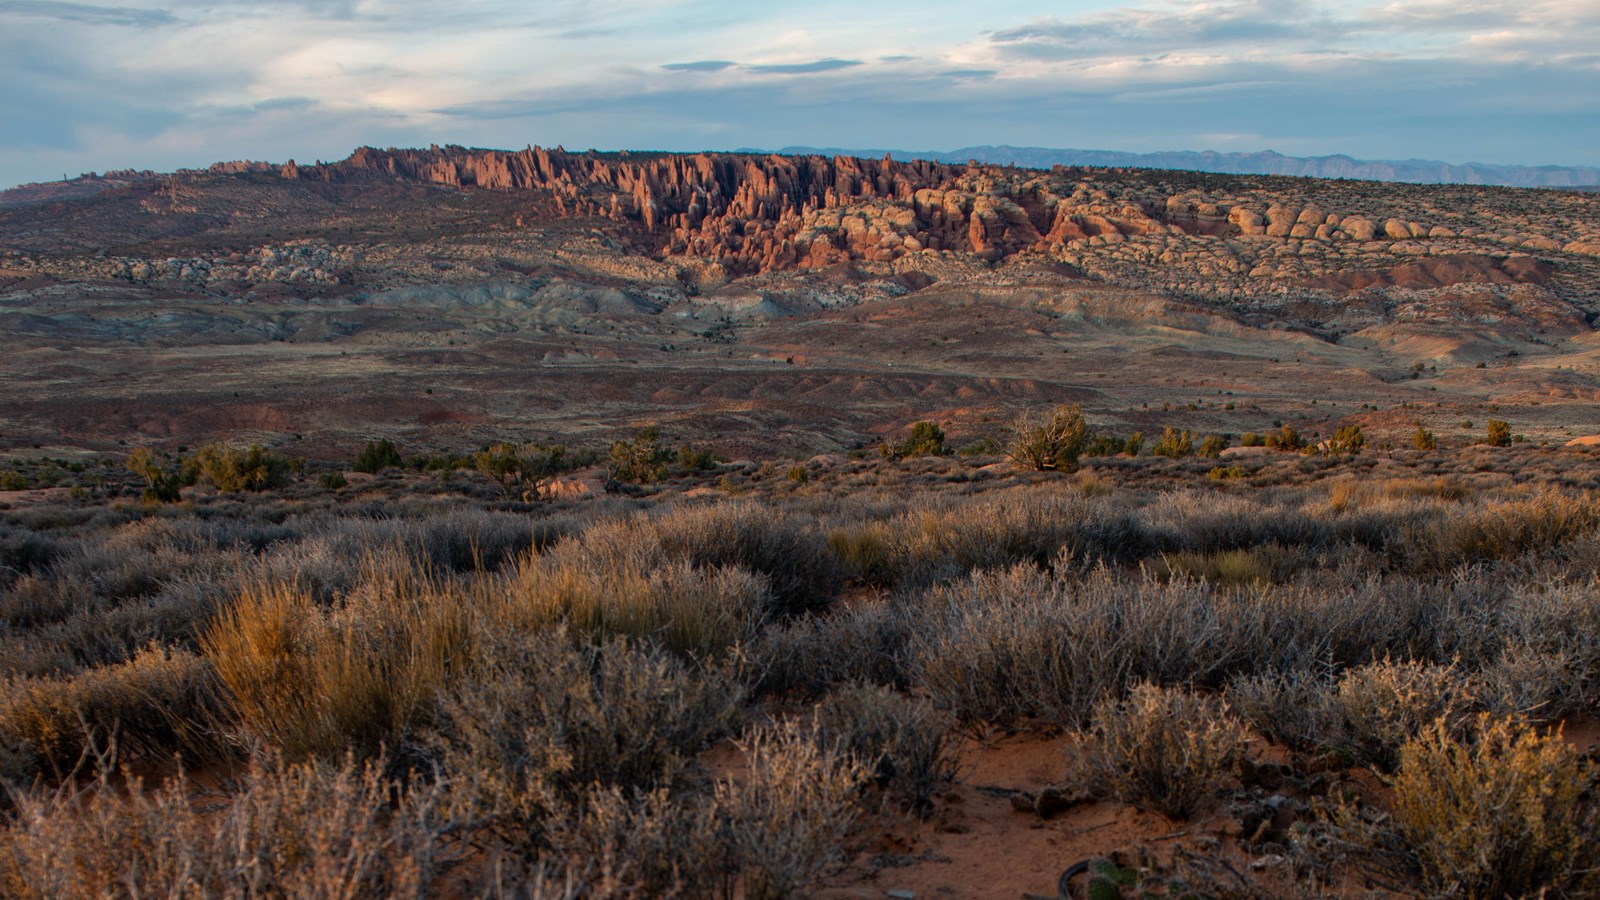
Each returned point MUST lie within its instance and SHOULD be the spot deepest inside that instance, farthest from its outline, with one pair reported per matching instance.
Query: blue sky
(168, 83)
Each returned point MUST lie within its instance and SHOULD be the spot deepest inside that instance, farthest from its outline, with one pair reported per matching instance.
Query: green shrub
(527, 470)
(641, 460)
(232, 470)
(1104, 445)
(1251, 439)
(988, 445)
(1347, 441)
(1135, 443)
(693, 460)
(161, 485)
(334, 481)
(377, 456)
(1285, 438)
(926, 439)
(1423, 439)
(1499, 434)
(1174, 444)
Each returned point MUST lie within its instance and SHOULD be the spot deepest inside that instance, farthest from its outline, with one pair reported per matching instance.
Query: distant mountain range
(1266, 162)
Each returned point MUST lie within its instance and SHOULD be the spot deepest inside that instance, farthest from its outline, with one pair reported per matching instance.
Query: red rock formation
(754, 213)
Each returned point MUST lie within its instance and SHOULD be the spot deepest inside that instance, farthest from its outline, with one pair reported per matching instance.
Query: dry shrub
(33, 600)
(865, 643)
(941, 541)
(312, 830)
(541, 722)
(1287, 707)
(1535, 684)
(864, 550)
(362, 674)
(1207, 523)
(904, 741)
(1378, 707)
(793, 812)
(1442, 488)
(790, 550)
(1504, 530)
(159, 702)
(652, 844)
(1507, 813)
(1161, 748)
(1007, 645)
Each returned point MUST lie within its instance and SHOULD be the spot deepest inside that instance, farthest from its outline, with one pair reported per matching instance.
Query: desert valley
(475, 523)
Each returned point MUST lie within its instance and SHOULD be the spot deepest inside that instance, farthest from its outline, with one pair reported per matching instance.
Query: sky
(163, 84)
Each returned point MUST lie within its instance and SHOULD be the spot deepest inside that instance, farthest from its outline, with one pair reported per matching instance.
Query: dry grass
(695, 612)
(363, 674)
(160, 702)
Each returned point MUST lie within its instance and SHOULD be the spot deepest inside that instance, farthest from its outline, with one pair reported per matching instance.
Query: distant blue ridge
(1266, 162)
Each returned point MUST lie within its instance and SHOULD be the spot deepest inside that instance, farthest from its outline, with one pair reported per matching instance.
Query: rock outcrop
(750, 213)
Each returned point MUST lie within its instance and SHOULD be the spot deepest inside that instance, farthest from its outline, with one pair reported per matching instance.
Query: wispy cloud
(806, 68)
(83, 12)
(704, 65)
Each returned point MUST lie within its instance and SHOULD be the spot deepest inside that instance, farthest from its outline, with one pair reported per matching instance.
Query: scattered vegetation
(493, 696)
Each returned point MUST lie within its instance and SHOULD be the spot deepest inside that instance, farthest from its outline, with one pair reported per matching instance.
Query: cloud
(821, 65)
(806, 68)
(704, 65)
(1168, 28)
(83, 12)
